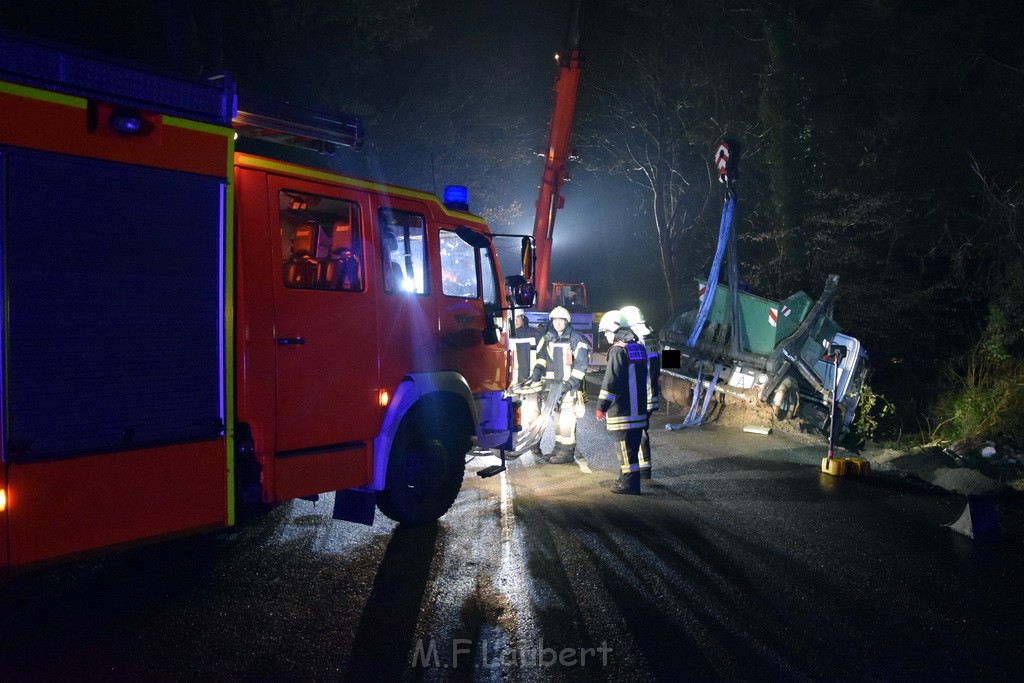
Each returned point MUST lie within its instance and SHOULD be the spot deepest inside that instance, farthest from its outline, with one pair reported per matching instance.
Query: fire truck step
(491, 471)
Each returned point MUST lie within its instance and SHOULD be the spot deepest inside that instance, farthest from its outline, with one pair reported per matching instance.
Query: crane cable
(725, 164)
(724, 228)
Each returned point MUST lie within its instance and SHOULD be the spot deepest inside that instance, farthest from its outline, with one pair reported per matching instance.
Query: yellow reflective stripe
(629, 421)
(606, 396)
(44, 95)
(578, 374)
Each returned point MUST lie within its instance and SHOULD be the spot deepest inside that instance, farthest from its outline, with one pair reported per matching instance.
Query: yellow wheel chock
(839, 467)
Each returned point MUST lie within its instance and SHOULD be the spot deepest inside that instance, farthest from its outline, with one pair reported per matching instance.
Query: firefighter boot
(629, 477)
(563, 454)
(645, 456)
(628, 483)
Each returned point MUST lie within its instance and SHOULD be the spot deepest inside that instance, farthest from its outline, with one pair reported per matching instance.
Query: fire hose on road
(531, 433)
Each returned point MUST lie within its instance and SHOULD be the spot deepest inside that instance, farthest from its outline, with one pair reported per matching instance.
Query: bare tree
(656, 116)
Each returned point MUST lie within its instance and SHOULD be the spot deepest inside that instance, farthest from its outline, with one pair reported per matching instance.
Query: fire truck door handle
(289, 341)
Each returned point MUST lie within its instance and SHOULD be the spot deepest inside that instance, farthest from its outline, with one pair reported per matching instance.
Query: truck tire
(425, 468)
(786, 399)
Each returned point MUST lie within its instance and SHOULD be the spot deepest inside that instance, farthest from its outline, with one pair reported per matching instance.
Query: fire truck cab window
(458, 266)
(403, 251)
(489, 278)
(321, 243)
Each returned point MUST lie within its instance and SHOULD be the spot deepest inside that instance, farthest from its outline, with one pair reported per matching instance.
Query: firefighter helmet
(612, 321)
(559, 312)
(635, 320)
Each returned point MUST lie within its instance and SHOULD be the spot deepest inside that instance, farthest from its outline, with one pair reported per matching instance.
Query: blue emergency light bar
(456, 197)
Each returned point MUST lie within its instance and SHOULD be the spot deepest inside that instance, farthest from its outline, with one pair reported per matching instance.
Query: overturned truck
(783, 359)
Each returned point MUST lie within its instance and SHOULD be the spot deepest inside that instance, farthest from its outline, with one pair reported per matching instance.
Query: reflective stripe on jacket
(623, 396)
(563, 356)
(524, 352)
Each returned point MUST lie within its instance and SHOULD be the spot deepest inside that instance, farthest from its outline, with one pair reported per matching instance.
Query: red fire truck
(189, 331)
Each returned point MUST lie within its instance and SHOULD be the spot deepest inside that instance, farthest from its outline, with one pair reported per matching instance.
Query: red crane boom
(550, 200)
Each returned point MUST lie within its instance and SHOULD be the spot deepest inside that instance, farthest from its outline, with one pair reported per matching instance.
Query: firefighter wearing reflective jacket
(523, 344)
(562, 360)
(638, 325)
(622, 403)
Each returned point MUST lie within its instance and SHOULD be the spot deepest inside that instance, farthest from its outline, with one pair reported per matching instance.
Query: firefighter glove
(599, 414)
(536, 374)
(572, 384)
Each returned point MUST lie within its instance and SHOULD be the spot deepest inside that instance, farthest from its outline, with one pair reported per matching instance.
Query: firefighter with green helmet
(639, 326)
(563, 356)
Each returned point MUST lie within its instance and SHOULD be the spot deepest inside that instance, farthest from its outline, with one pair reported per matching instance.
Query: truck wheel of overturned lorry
(425, 467)
(786, 400)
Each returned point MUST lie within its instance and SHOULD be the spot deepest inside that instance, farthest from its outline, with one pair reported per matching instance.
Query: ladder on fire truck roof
(53, 67)
(261, 118)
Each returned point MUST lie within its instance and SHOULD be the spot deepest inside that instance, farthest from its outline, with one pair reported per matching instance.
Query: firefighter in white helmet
(622, 403)
(638, 325)
(562, 359)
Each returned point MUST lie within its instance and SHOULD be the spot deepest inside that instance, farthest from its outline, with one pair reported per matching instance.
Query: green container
(764, 323)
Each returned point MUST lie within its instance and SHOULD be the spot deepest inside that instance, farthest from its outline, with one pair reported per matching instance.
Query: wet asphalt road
(741, 561)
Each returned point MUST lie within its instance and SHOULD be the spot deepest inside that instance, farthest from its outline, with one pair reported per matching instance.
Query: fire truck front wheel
(425, 468)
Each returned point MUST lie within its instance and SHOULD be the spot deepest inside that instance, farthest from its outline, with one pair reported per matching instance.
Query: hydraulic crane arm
(550, 200)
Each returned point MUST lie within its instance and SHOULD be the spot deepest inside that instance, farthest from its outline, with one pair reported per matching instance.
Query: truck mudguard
(414, 387)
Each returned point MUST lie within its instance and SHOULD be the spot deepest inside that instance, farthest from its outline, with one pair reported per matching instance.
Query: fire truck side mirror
(520, 291)
(527, 256)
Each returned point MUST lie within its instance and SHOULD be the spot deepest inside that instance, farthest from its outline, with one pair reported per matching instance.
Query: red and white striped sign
(773, 315)
(722, 160)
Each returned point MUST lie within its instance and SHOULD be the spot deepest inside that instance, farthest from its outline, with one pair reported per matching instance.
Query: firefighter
(638, 325)
(562, 359)
(523, 342)
(622, 403)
